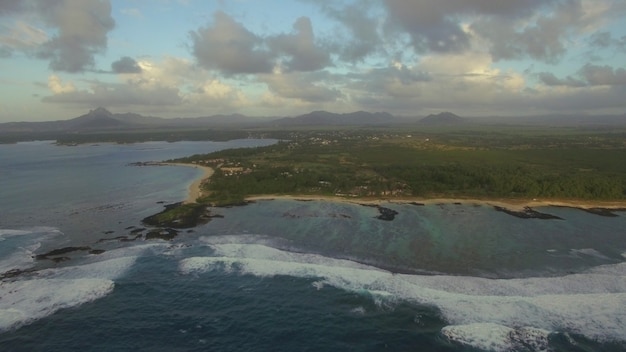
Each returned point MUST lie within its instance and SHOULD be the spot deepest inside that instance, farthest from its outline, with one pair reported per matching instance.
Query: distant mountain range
(320, 118)
(444, 118)
(101, 120)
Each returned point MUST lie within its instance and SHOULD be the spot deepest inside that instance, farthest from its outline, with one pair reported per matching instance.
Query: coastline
(195, 192)
(195, 189)
(511, 204)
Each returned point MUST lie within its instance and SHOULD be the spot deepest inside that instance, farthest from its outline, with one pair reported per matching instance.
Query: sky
(188, 58)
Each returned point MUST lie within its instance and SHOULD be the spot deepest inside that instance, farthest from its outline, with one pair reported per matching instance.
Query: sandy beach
(511, 204)
(195, 189)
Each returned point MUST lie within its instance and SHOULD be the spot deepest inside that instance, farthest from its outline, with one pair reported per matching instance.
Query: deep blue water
(289, 275)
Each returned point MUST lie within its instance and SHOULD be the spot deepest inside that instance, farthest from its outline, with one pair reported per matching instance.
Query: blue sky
(178, 58)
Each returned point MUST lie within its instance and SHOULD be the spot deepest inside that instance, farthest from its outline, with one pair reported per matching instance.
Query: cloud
(227, 46)
(396, 80)
(589, 75)
(58, 87)
(542, 36)
(173, 85)
(462, 82)
(511, 30)
(300, 46)
(605, 40)
(116, 95)
(11, 6)
(550, 79)
(304, 86)
(81, 32)
(429, 25)
(125, 65)
(23, 36)
(360, 35)
(603, 75)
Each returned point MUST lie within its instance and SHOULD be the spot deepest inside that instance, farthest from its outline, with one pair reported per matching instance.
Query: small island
(514, 169)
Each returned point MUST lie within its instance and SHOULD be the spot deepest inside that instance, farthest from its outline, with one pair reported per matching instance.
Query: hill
(325, 118)
(444, 118)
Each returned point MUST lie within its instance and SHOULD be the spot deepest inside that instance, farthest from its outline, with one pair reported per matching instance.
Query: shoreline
(195, 189)
(510, 204)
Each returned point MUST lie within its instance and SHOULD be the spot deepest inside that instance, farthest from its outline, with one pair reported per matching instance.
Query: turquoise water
(290, 275)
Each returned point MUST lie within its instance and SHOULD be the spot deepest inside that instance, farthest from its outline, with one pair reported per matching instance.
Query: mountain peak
(100, 111)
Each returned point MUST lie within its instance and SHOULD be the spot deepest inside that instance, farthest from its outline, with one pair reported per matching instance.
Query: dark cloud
(589, 75)
(11, 6)
(550, 79)
(537, 29)
(227, 46)
(603, 75)
(363, 37)
(429, 24)
(300, 46)
(125, 65)
(80, 26)
(605, 40)
(601, 40)
(434, 26)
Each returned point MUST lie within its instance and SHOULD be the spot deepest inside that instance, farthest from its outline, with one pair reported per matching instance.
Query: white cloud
(57, 86)
(23, 36)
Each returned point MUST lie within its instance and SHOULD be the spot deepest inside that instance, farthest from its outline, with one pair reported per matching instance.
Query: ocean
(287, 275)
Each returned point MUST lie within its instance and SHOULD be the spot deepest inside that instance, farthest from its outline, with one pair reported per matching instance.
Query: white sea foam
(587, 252)
(591, 303)
(18, 246)
(26, 301)
(494, 337)
(111, 269)
(34, 297)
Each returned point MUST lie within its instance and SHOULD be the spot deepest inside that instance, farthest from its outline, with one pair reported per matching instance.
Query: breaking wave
(494, 314)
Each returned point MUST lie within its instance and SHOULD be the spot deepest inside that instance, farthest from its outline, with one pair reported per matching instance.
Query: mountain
(101, 119)
(325, 118)
(97, 119)
(443, 118)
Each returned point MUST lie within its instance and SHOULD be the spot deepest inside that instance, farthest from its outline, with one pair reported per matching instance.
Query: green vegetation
(486, 162)
(179, 216)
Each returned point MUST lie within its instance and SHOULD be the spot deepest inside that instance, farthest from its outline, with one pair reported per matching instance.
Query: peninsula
(512, 169)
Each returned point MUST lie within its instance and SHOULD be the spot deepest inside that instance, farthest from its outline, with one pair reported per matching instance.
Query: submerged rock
(528, 213)
(386, 214)
(607, 212)
(60, 251)
(180, 216)
(167, 234)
